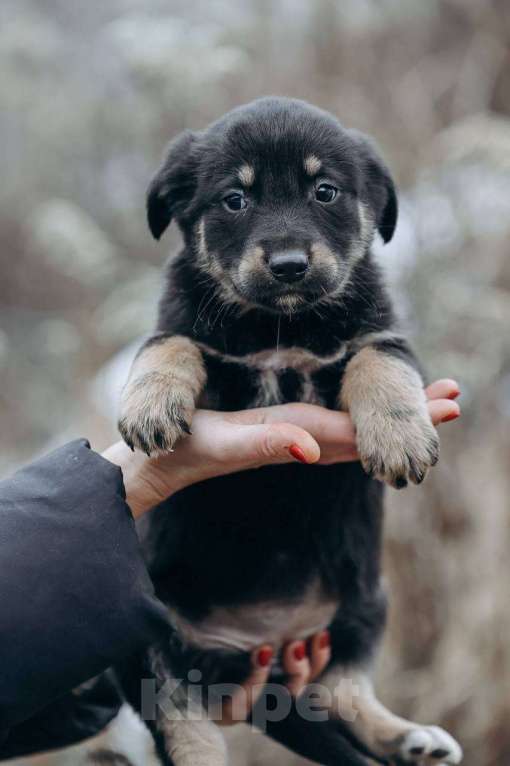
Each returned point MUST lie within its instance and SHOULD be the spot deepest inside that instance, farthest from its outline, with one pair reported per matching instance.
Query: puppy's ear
(379, 187)
(173, 186)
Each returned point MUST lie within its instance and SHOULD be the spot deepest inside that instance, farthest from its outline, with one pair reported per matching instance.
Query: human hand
(226, 442)
(302, 663)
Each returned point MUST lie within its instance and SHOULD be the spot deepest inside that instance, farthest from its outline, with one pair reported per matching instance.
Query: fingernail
(297, 453)
(454, 394)
(265, 656)
(324, 640)
(299, 652)
(451, 416)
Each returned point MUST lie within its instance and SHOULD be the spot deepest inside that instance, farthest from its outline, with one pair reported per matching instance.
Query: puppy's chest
(284, 384)
(245, 627)
(272, 376)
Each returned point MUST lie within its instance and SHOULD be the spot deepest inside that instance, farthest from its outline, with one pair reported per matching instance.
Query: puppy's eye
(325, 193)
(235, 202)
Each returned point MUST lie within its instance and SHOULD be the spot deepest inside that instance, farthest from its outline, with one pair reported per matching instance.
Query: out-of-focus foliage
(90, 93)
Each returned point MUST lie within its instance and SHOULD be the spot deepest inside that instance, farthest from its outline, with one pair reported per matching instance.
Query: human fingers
(237, 708)
(319, 651)
(445, 388)
(297, 666)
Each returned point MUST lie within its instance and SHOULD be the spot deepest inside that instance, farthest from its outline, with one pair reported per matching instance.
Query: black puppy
(276, 298)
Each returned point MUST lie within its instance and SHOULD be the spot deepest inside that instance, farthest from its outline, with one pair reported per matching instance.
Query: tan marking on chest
(274, 622)
(299, 359)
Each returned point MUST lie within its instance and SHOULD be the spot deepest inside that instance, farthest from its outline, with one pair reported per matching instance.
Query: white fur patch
(246, 175)
(269, 390)
(289, 302)
(312, 164)
(309, 393)
(193, 742)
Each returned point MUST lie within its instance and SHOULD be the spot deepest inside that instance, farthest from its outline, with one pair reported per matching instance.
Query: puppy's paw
(156, 411)
(397, 446)
(428, 745)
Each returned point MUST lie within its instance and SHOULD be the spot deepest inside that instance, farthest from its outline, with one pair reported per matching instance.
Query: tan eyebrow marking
(312, 164)
(246, 175)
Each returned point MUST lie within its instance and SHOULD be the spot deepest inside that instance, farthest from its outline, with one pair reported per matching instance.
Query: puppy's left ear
(173, 186)
(380, 189)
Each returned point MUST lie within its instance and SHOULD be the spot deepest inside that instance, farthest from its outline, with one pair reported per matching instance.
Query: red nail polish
(299, 652)
(265, 656)
(324, 640)
(452, 416)
(297, 453)
(453, 395)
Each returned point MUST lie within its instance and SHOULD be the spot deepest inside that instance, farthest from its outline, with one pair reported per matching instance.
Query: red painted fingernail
(324, 640)
(265, 656)
(300, 652)
(453, 395)
(297, 453)
(451, 416)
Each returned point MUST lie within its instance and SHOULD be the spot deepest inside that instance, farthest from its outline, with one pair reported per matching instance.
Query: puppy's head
(277, 202)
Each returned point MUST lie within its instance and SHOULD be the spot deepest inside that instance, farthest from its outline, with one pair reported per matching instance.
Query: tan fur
(246, 175)
(387, 403)
(354, 254)
(324, 256)
(205, 261)
(221, 285)
(367, 231)
(357, 248)
(367, 223)
(270, 362)
(252, 625)
(289, 303)
(159, 399)
(312, 164)
(251, 262)
(268, 390)
(300, 359)
(193, 742)
(350, 696)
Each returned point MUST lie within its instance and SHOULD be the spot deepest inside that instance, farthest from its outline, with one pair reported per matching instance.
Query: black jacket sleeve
(74, 592)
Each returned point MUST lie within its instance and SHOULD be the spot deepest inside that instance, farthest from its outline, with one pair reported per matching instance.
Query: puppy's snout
(290, 266)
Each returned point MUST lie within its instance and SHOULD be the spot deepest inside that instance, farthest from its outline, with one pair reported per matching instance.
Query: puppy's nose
(290, 266)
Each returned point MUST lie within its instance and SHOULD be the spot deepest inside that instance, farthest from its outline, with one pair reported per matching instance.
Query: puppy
(275, 297)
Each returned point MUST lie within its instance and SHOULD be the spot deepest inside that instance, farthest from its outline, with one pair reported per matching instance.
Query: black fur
(266, 534)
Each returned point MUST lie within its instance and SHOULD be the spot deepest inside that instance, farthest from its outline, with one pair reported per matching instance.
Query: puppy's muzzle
(289, 266)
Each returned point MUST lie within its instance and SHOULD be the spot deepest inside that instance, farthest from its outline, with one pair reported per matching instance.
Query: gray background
(90, 93)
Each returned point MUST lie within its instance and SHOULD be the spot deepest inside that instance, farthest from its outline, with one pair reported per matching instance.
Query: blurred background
(91, 92)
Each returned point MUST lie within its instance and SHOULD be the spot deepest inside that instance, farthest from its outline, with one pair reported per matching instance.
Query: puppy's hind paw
(428, 746)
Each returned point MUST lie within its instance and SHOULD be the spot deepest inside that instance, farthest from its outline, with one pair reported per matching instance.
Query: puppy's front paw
(156, 410)
(397, 446)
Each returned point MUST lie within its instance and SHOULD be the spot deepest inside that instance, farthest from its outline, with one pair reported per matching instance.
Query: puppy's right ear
(173, 186)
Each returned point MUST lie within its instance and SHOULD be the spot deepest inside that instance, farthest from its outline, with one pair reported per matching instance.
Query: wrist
(146, 485)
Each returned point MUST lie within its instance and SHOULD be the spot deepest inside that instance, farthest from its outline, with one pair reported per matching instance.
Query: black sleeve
(74, 592)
